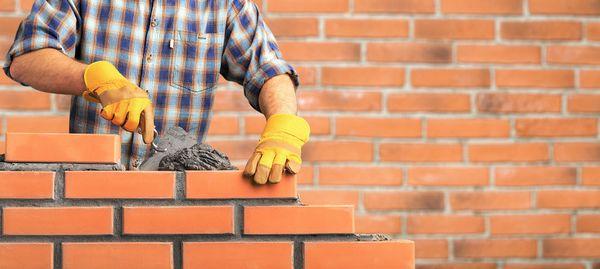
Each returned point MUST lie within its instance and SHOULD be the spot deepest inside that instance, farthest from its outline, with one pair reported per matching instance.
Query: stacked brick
(468, 126)
(194, 219)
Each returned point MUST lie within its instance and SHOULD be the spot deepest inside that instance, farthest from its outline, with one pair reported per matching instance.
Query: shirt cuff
(254, 84)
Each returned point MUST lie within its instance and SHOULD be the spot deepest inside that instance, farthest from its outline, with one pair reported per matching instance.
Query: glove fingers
(264, 167)
(108, 112)
(120, 113)
(277, 169)
(293, 166)
(252, 163)
(133, 115)
(147, 124)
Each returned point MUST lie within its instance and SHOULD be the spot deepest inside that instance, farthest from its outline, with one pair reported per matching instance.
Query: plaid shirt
(174, 49)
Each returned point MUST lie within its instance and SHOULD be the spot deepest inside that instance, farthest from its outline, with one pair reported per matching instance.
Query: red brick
(294, 27)
(409, 52)
(226, 100)
(223, 125)
(544, 266)
(583, 103)
(589, 79)
(508, 152)
(541, 30)
(338, 151)
(329, 197)
(454, 29)
(308, 75)
(518, 103)
(7, 5)
(233, 185)
(593, 31)
(590, 176)
(237, 255)
(363, 76)
(404, 200)
(57, 220)
(5, 80)
(9, 26)
(24, 100)
(419, 152)
(366, 28)
(26, 255)
(298, 219)
(499, 54)
(320, 51)
(392, 254)
(318, 125)
(37, 124)
(550, 79)
(360, 175)
(564, 7)
(569, 199)
(465, 128)
(68, 148)
(588, 224)
(26, 185)
(235, 149)
(378, 127)
(557, 127)
(470, 265)
(117, 255)
(535, 176)
(339, 100)
(119, 185)
(572, 248)
(178, 220)
(530, 224)
(490, 200)
(306, 175)
(429, 102)
(309, 6)
(497, 248)
(576, 152)
(448, 176)
(394, 6)
(445, 224)
(372, 224)
(573, 55)
(431, 249)
(26, 5)
(511, 7)
(440, 78)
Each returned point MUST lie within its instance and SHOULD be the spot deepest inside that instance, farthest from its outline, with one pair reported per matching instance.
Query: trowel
(173, 140)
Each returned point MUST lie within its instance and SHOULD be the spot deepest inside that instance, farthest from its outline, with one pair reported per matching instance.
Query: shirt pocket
(195, 60)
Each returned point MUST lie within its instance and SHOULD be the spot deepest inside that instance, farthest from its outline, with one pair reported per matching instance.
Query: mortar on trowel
(177, 150)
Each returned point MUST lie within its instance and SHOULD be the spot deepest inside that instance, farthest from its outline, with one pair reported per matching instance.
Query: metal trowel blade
(173, 140)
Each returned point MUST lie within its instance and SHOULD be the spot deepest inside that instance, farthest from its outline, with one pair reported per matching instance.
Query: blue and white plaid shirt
(174, 49)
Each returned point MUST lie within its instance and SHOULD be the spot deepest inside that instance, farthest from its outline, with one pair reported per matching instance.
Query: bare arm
(49, 70)
(278, 96)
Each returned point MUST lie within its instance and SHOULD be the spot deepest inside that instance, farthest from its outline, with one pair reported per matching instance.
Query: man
(154, 64)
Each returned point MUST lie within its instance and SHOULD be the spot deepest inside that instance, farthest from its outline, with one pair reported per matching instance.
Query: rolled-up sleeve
(50, 24)
(251, 55)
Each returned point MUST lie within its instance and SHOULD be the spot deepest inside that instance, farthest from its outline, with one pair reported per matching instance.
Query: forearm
(49, 70)
(278, 96)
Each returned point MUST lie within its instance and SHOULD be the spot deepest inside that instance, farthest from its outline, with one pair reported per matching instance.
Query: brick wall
(74, 219)
(469, 126)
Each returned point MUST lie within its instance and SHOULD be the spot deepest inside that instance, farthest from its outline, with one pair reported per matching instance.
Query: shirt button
(149, 58)
(154, 23)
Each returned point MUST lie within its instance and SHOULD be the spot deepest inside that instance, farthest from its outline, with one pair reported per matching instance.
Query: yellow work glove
(279, 146)
(123, 103)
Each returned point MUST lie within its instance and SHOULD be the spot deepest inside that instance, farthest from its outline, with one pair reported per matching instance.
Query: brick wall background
(469, 126)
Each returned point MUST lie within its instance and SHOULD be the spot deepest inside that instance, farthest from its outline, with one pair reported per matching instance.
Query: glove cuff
(99, 73)
(287, 124)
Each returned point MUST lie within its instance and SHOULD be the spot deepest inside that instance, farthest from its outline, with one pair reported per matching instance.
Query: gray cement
(6, 166)
(183, 152)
